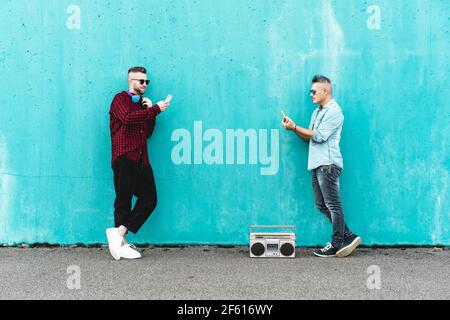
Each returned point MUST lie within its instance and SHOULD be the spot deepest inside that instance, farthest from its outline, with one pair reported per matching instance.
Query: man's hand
(287, 123)
(147, 102)
(163, 105)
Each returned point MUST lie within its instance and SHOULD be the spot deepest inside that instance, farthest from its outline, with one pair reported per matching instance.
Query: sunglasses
(313, 92)
(142, 81)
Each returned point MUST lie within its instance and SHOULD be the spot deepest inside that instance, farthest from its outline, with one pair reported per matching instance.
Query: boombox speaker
(272, 244)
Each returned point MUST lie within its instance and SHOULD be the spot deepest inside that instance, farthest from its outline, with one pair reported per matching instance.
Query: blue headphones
(134, 97)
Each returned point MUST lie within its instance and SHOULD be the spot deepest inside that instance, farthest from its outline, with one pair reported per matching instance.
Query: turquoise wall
(230, 64)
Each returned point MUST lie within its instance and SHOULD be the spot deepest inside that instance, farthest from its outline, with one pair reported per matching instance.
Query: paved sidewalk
(223, 273)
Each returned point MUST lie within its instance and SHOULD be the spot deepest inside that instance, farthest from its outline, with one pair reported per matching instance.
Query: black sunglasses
(142, 81)
(313, 92)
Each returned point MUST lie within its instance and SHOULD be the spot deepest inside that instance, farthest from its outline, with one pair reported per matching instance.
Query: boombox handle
(271, 227)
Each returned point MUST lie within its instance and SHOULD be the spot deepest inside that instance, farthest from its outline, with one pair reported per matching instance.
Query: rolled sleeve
(331, 121)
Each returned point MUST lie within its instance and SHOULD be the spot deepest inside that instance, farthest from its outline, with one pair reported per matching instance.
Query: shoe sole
(346, 251)
(113, 252)
(324, 256)
(132, 258)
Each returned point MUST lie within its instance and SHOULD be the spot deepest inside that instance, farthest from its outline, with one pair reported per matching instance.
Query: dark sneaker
(349, 246)
(328, 251)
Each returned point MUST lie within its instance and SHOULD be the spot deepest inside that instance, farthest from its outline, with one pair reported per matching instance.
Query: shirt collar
(327, 105)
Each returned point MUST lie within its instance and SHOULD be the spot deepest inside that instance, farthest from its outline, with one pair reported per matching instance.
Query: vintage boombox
(272, 244)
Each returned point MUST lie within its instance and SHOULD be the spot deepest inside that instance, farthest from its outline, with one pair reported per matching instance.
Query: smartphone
(282, 115)
(169, 97)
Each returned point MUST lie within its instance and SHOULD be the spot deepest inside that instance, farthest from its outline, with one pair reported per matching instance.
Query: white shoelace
(132, 246)
(327, 247)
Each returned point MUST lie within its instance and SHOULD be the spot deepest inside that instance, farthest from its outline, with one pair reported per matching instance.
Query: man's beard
(139, 91)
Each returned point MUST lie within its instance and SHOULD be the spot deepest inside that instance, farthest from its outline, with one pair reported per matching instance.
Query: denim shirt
(327, 125)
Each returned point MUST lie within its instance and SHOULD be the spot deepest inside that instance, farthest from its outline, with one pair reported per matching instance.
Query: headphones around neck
(134, 97)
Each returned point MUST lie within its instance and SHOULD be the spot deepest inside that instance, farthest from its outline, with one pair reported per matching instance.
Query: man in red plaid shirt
(132, 120)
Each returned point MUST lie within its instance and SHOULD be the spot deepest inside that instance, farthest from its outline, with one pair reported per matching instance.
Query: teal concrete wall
(229, 65)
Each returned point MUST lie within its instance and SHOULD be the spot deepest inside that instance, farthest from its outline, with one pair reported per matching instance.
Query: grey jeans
(325, 181)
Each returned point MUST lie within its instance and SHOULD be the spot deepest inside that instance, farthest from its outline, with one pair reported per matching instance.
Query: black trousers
(133, 179)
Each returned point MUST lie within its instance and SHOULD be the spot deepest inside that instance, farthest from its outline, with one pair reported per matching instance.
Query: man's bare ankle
(122, 231)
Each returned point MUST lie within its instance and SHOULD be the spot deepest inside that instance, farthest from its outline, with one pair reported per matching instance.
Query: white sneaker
(128, 251)
(115, 242)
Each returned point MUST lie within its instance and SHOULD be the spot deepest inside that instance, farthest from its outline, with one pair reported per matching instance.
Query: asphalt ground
(212, 273)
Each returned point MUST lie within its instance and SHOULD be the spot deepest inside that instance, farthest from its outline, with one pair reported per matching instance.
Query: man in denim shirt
(325, 162)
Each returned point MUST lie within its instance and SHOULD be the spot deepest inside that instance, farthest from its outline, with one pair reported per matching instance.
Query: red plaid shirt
(131, 124)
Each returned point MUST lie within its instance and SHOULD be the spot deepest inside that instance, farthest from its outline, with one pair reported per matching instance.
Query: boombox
(272, 244)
